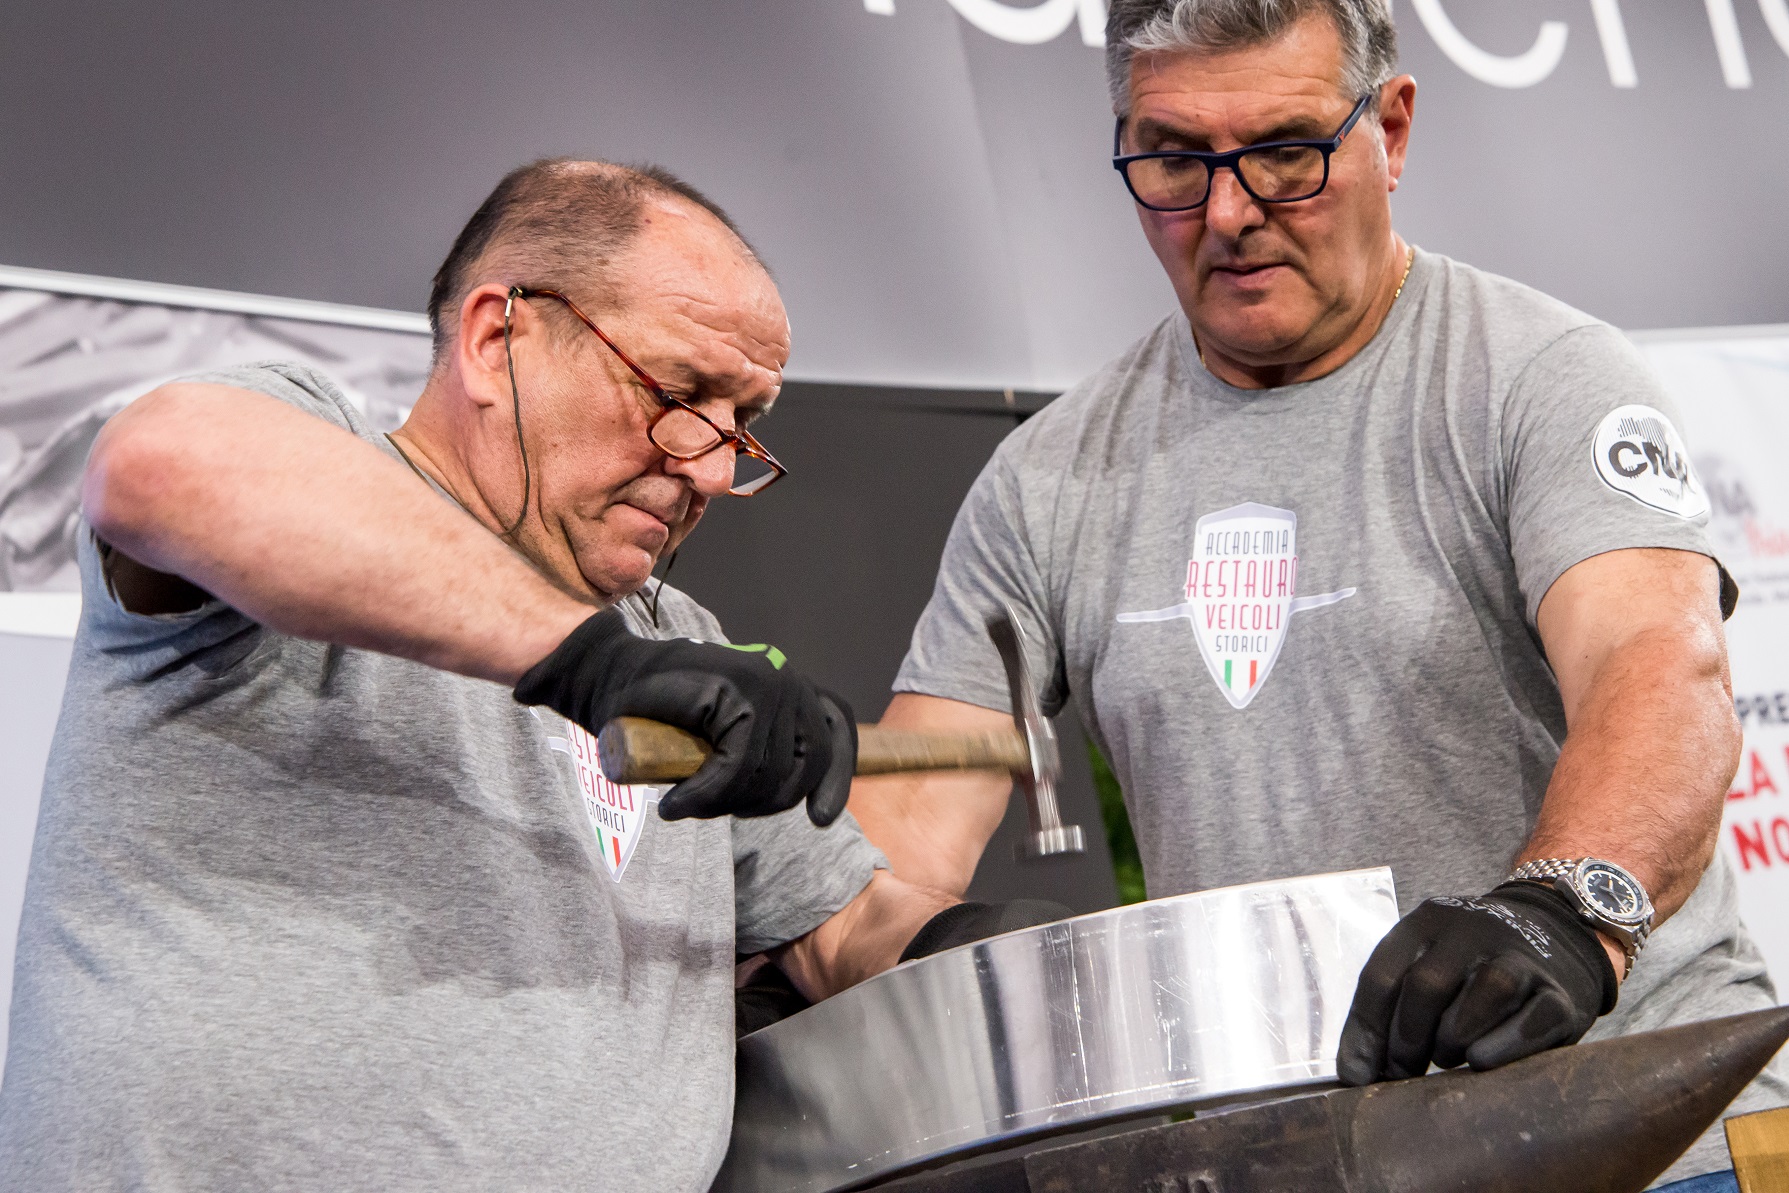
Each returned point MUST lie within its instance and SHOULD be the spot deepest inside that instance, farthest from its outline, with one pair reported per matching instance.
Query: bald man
(315, 901)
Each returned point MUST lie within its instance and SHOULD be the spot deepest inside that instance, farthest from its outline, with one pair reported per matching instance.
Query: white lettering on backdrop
(1523, 70)
(1026, 25)
(1030, 25)
(1776, 17)
(1613, 34)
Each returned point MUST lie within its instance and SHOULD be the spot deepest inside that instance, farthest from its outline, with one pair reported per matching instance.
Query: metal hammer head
(1048, 837)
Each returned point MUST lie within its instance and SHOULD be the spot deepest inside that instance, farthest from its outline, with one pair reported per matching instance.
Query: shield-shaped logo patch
(1241, 590)
(617, 813)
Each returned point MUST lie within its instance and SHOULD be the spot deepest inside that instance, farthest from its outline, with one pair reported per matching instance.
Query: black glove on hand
(969, 922)
(1476, 981)
(777, 738)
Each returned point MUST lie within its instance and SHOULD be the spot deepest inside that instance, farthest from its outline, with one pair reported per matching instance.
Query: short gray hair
(1369, 39)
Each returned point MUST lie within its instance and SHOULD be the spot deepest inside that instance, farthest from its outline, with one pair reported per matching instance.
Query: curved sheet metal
(1171, 1003)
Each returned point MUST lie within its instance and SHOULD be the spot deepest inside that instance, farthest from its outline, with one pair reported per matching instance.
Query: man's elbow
(137, 466)
(1729, 736)
(1709, 690)
(1714, 679)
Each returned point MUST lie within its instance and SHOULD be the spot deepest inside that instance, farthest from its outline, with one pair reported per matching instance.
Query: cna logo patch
(1241, 591)
(617, 813)
(1638, 452)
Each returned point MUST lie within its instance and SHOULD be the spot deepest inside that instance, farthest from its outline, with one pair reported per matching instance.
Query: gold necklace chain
(1409, 261)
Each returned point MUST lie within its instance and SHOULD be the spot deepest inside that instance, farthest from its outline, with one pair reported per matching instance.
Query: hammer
(636, 750)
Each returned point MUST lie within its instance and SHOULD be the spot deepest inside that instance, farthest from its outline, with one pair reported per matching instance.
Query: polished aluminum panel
(1171, 1003)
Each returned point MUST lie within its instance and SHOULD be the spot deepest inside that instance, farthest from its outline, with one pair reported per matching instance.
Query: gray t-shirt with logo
(301, 916)
(1300, 621)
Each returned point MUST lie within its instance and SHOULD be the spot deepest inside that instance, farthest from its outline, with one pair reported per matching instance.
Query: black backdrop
(835, 563)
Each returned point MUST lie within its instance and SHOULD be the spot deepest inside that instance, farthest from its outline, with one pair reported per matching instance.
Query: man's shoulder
(298, 385)
(1148, 368)
(1152, 360)
(1512, 320)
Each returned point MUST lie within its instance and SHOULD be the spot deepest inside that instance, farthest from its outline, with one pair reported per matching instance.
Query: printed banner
(68, 362)
(1733, 394)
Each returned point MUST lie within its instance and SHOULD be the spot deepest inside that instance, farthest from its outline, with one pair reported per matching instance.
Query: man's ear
(1397, 110)
(479, 351)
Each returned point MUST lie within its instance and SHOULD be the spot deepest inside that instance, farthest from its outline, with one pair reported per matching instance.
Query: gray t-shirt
(1300, 621)
(301, 916)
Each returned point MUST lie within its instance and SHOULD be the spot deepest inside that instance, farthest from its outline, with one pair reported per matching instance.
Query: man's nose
(710, 474)
(1230, 210)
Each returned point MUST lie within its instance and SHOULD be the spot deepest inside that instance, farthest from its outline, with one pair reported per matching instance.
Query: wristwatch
(1606, 897)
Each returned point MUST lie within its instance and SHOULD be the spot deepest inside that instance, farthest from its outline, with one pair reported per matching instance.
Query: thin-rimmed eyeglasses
(679, 429)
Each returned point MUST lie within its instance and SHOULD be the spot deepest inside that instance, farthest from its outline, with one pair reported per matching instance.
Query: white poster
(74, 350)
(1733, 392)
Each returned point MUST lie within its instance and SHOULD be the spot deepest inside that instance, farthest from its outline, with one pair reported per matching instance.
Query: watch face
(1613, 893)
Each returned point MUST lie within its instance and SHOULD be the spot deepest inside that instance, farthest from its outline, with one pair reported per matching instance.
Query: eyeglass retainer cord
(515, 394)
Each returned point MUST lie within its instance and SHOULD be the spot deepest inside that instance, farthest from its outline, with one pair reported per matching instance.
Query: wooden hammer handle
(636, 750)
(898, 751)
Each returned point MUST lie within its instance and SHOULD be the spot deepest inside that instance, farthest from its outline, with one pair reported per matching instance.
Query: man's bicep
(990, 565)
(933, 827)
(1617, 598)
(1593, 462)
(915, 710)
(155, 464)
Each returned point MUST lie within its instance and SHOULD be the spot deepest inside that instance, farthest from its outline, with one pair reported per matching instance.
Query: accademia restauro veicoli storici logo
(1241, 591)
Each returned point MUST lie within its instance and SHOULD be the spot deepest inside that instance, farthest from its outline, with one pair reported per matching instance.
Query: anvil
(1605, 1117)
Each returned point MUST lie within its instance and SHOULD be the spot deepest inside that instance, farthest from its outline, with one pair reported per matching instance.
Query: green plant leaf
(1127, 864)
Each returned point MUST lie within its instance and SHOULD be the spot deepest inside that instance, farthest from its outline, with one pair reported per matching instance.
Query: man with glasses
(1361, 557)
(316, 902)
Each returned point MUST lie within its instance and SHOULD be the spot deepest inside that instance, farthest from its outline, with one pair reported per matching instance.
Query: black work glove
(1476, 981)
(967, 923)
(766, 997)
(778, 740)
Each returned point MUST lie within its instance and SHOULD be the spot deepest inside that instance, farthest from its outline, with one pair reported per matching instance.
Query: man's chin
(1253, 344)
(617, 565)
(617, 573)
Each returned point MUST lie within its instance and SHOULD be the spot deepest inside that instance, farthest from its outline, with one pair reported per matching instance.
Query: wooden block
(1760, 1146)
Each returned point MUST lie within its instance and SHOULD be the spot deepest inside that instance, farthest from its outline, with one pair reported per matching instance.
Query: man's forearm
(933, 826)
(1635, 639)
(864, 938)
(1644, 769)
(314, 533)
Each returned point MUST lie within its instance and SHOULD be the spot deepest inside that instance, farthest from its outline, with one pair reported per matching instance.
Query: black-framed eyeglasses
(1272, 172)
(679, 429)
